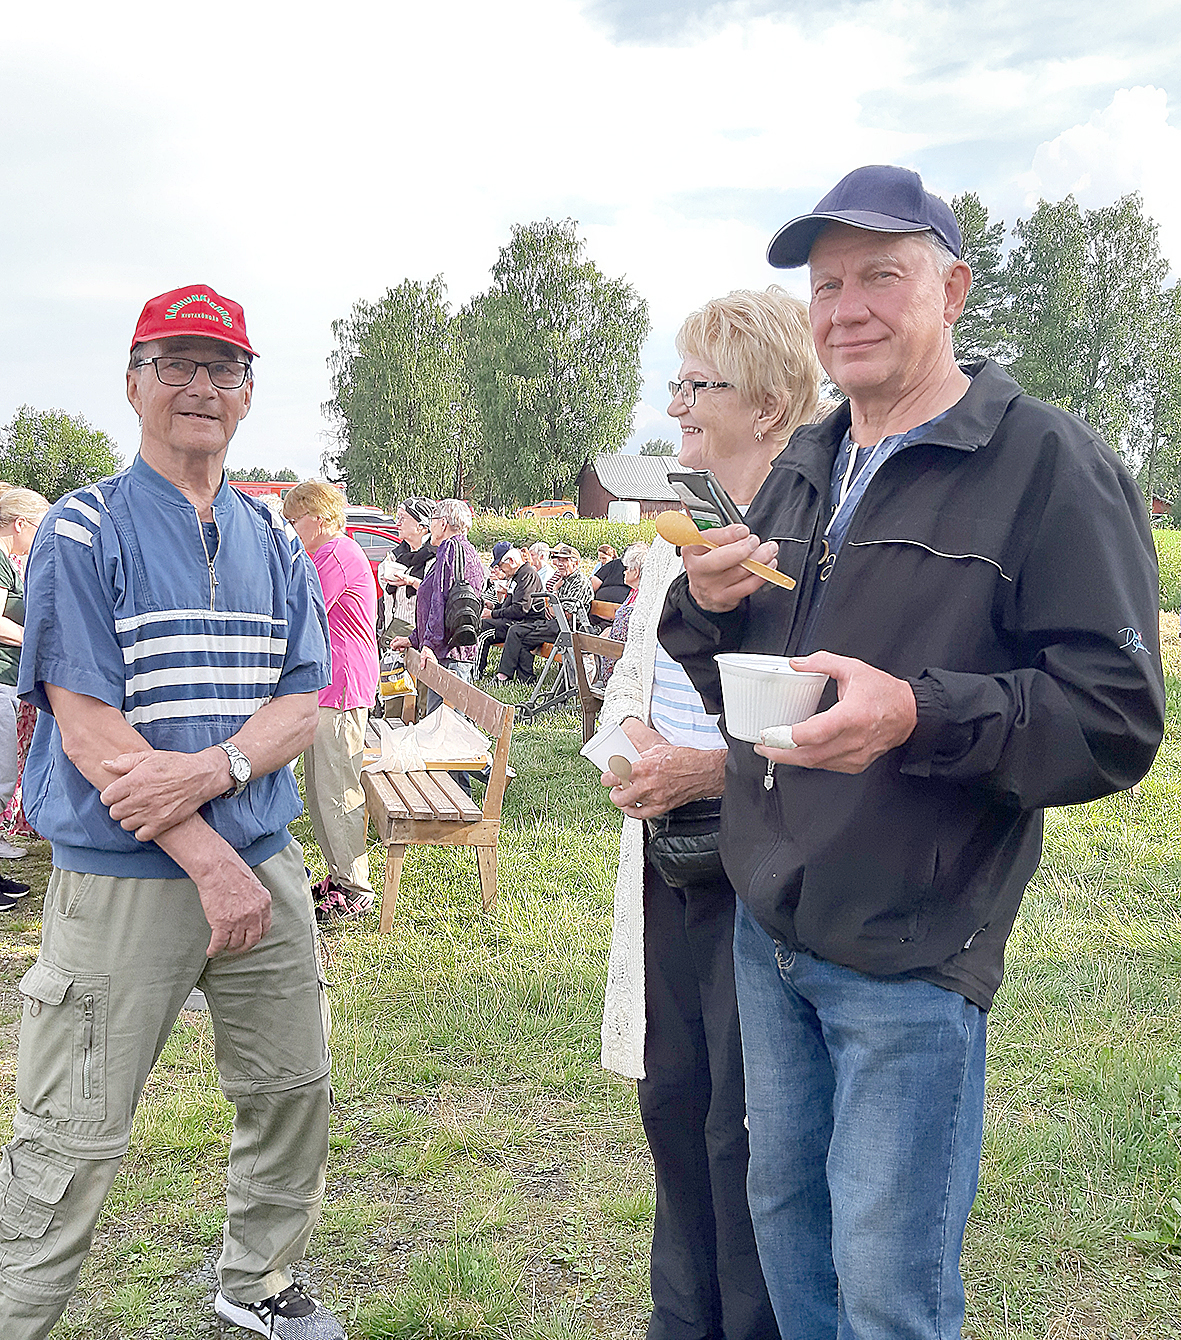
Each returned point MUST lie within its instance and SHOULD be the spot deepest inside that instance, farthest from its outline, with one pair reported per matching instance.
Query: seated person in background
(606, 554)
(495, 584)
(633, 566)
(524, 582)
(538, 556)
(572, 590)
(608, 583)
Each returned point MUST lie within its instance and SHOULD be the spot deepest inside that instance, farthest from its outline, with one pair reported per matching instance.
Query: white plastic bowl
(759, 692)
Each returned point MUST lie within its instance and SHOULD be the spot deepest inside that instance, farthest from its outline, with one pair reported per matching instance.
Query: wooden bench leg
(486, 859)
(393, 878)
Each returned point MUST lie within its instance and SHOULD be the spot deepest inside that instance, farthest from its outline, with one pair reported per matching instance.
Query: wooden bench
(603, 609)
(591, 698)
(428, 807)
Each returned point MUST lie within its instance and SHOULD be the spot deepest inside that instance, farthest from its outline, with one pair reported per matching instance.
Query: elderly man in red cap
(975, 571)
(175, 643)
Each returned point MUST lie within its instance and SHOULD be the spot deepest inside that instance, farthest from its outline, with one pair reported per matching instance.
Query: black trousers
(517, 653)
(706, 1279)
(498, 627)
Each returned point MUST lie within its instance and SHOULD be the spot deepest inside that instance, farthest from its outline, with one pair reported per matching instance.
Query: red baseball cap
(193, 310)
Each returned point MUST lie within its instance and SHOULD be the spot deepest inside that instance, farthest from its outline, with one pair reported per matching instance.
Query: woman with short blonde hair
(748, 378)
(332, 766)
(761, 343)
(315, 498)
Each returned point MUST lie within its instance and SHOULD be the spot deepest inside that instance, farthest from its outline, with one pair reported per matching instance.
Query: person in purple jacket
(455, 560)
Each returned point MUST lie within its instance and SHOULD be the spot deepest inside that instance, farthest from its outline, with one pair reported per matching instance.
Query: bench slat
(467, 807)
(409, 795)
(440, 806)
(391, 802)
(600, 646)
(476, 705)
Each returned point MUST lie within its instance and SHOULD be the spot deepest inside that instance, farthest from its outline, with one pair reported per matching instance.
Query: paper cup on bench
(763, 691)
(606, 744)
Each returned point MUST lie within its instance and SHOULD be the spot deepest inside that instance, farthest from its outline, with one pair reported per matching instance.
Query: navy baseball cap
(499, 549)
(879, 199)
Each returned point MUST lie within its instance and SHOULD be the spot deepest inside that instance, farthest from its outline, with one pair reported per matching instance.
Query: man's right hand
(716, 581)
(236, 904)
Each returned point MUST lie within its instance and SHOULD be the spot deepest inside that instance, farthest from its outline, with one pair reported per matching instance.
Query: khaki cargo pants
(118, 959)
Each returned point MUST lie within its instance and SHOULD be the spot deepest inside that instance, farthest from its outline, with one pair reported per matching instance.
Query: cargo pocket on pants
(31, 1185)
(61, 1066)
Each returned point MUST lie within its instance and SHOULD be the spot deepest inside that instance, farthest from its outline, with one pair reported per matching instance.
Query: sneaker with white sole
(290, 1315)
(10, 853)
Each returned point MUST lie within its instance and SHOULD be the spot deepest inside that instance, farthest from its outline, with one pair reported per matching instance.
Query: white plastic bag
(441, 737)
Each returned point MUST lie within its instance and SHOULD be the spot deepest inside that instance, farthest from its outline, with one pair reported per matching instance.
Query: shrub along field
(585, 534)
(488, 1180)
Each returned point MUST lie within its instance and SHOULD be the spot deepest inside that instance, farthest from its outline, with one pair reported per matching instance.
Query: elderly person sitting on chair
(524, 582)
(572, 590)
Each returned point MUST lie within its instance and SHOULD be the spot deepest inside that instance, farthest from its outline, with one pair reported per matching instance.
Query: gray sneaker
(290, 1315)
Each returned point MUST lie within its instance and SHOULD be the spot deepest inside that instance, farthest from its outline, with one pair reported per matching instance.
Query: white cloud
(1128, 146)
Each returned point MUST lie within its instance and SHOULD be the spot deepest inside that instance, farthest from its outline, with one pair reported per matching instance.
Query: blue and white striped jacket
(123, 604)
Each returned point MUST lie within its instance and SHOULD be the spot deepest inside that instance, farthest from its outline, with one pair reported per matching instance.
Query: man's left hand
(874, 713)
(157, 789)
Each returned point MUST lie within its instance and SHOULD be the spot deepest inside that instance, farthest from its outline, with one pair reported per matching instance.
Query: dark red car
(374, 530)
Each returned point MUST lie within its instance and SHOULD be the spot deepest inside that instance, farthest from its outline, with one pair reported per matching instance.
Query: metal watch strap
(238, 763)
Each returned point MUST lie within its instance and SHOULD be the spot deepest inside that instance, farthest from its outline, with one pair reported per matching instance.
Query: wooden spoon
(678, 528)
(620, 767)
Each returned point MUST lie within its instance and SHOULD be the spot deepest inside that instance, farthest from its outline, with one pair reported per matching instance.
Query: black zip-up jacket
(526, 582)
(1004, 565)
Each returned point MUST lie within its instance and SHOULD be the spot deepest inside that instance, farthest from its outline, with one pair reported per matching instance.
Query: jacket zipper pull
(769, 779)
(212, 584)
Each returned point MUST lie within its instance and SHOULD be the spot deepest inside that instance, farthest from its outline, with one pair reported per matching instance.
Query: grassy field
(489, 1181)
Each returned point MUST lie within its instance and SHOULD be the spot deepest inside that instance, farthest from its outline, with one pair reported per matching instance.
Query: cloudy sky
(301, 157)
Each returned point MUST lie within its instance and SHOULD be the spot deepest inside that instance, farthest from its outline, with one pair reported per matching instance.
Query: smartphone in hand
(707, 501)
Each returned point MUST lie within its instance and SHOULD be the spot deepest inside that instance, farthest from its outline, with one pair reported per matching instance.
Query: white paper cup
(763, 691)
(607, 743)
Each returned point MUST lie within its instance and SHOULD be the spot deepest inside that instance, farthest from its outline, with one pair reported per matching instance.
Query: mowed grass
(488, 1180)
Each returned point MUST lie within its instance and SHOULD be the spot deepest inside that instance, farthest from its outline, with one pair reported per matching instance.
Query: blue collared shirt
(125, 605)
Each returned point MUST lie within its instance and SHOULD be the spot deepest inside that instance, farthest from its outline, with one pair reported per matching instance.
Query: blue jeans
(865, 1098)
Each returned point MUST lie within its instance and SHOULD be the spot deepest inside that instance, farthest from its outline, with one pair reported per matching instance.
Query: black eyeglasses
(688, 389)
(227, 374)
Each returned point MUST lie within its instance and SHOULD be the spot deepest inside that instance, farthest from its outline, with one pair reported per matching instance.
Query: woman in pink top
(332, 766)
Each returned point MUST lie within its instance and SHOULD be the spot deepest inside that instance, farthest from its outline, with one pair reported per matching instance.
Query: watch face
(239, 765)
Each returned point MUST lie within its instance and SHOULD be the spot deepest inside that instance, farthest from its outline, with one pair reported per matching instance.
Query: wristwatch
(240, 769)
